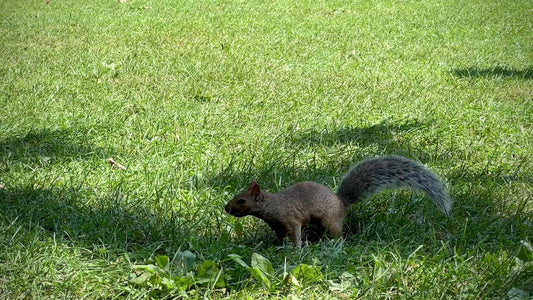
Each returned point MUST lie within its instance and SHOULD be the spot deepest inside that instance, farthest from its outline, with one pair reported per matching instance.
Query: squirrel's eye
(241, 201)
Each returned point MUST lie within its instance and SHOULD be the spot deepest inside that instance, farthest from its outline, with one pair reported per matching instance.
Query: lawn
(197, 98)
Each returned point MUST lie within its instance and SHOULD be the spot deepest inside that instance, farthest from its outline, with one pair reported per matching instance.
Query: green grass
(196, 98)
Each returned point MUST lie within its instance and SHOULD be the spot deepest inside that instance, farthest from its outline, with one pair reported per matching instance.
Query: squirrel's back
(372, 175)
(310, 196)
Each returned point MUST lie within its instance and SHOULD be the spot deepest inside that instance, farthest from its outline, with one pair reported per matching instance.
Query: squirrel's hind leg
(333, 228)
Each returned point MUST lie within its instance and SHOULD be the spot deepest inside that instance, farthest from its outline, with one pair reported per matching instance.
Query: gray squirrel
(287, 211)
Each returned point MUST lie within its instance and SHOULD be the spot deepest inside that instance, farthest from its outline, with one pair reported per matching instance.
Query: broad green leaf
(220, 281)
(207, 268)
(208, 272)
(291, 280)
(168, 283)
(162, 261)
(525, 252)
(261, 269)
(307, 274)
(263, 264)
(238, 259)
(153, 269)
(141, 280)
(187, 259)
(260, 276)
(183, 282)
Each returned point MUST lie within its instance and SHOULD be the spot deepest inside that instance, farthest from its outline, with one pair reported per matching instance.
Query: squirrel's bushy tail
(373, 175)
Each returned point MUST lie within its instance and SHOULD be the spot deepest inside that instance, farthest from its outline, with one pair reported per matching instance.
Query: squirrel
(311, 203)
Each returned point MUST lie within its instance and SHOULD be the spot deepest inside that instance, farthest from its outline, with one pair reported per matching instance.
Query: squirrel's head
(245, 202)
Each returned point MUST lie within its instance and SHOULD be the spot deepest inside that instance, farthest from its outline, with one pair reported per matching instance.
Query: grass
(196, 98)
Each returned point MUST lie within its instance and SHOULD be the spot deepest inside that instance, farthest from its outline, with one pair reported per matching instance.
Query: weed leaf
(162, 261)
(238, 259)
(260, 276)
(307, 274)
(263, 264)
(152, 269)
(187, 260)
(261, 269)
(141, 280)
(525, 252)
(291, 280)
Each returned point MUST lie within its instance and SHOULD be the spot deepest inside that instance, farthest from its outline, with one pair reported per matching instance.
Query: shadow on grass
(381, 133)
(114, 222)
(51, 146)
(494, 72)
(383, 138)
(70, 211)
(79, 215)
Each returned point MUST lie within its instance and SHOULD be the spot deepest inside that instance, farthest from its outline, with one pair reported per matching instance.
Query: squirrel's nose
(227, 209)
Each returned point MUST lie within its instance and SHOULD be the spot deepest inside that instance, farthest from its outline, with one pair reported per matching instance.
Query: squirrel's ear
(252, 184)
(254, 188)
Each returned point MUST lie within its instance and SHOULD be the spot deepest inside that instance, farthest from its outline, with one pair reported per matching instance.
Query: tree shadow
(63, 210)
(80, 214)
(50, 145)
(42, 148)
(382, 133)
(498, 71)
(114, 221)
(385, 137)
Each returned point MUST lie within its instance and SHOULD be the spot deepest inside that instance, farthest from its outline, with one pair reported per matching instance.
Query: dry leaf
(112, 162)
